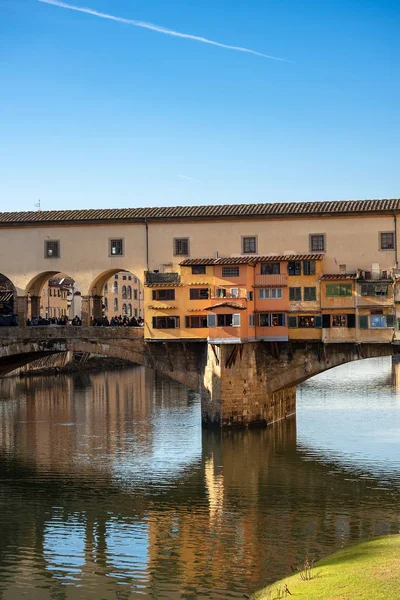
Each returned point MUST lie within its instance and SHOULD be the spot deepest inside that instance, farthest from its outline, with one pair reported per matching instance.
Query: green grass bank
(368, 571)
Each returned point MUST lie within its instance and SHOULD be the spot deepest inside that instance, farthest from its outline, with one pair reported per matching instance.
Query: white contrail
(188, 178)
(145, 25)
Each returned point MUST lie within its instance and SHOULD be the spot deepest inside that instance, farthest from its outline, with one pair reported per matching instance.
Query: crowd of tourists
(119, 321)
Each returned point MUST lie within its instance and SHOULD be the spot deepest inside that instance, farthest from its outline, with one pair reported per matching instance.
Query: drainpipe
(147, 244)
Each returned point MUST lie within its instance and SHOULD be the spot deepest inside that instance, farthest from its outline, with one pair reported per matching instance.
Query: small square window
(387, 240)
(199, 270)
(317, 242)
(181, 246)
(117, 247)
(52, 249)
(230, 271)
(249, 245)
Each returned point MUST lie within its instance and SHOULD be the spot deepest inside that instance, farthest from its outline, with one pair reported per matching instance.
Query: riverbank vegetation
(368, 571)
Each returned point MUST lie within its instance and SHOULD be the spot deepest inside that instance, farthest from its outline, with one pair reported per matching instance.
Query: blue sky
(99, 113)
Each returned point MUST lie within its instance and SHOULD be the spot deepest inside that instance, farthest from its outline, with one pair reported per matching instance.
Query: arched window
(129, 310)
(106, 288)
(135, 294)
(129, 292)
(124, 310)
(115, 287)
(106, 303)
(124, 292)
(115, 304)
(135, 280)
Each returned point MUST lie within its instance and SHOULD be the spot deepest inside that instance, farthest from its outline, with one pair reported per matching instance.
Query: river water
(109, 489)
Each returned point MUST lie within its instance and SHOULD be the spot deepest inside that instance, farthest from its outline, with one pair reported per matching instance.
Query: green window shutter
(318, 321)
(332, 290)
(363, 321)
(364, 290)
(345, 289)
(310, 294)
(398, 324)
(292, 322)
(312, 267)
(389, 320)
(294, 293)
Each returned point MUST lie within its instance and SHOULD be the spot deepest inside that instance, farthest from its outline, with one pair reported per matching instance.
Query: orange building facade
(275, 298)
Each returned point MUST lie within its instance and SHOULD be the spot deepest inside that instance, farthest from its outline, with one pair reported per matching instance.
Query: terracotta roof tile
(223, 211)
(235, 305)
(337, 276)
(239, 260)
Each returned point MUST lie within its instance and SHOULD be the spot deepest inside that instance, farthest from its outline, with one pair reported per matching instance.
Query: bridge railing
(70, 333)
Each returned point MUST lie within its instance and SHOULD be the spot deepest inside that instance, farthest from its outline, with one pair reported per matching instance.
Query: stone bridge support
(235, 392)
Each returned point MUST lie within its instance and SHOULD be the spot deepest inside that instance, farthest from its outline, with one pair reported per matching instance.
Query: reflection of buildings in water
(215, 490)
(252, 505)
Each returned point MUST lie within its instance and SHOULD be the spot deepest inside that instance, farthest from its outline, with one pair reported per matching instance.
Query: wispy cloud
(157, 28)
(188, 178)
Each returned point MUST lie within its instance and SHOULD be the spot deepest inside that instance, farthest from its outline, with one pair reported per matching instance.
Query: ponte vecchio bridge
(242, 302)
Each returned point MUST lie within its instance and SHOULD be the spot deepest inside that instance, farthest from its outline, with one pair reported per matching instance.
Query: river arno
(109, 488)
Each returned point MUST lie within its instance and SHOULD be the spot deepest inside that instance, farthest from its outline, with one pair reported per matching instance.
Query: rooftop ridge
(223, 211)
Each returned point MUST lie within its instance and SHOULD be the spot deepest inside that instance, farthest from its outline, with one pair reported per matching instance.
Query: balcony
(152, 277)
(271, 280)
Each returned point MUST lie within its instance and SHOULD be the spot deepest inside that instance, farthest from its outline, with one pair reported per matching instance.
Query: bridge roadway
(240, 384)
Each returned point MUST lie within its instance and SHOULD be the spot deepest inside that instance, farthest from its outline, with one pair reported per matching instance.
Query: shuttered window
(334, 290)
(363, 321)
(309, 267)
(295, 293)
(310, 294)
(212, 320)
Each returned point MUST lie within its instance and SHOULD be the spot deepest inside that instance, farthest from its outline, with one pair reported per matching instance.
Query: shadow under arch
(8, 300)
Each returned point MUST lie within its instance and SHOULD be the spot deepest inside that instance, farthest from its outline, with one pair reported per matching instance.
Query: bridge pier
(97, 307)
(85, 311)
(22, 310)
(234, 391)
(35, 306)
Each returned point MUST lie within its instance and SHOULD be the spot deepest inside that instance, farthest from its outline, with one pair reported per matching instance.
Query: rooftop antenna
(37, 205)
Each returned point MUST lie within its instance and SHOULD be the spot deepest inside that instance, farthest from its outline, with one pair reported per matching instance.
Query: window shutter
(292, 322)
(389, 320)
(234, 292)
(154, 322)
(326, 321)
(211, 320)
(318, 321)
(363, 321)
(283, 320)
(236, 320)
(351, 321)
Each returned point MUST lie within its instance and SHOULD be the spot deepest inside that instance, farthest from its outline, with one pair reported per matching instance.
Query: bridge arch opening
(8, 302)
(53, 298)
(117, 296)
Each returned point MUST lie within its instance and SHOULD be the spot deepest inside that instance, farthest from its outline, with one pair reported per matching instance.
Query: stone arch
(38, 306)
(103, 287)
